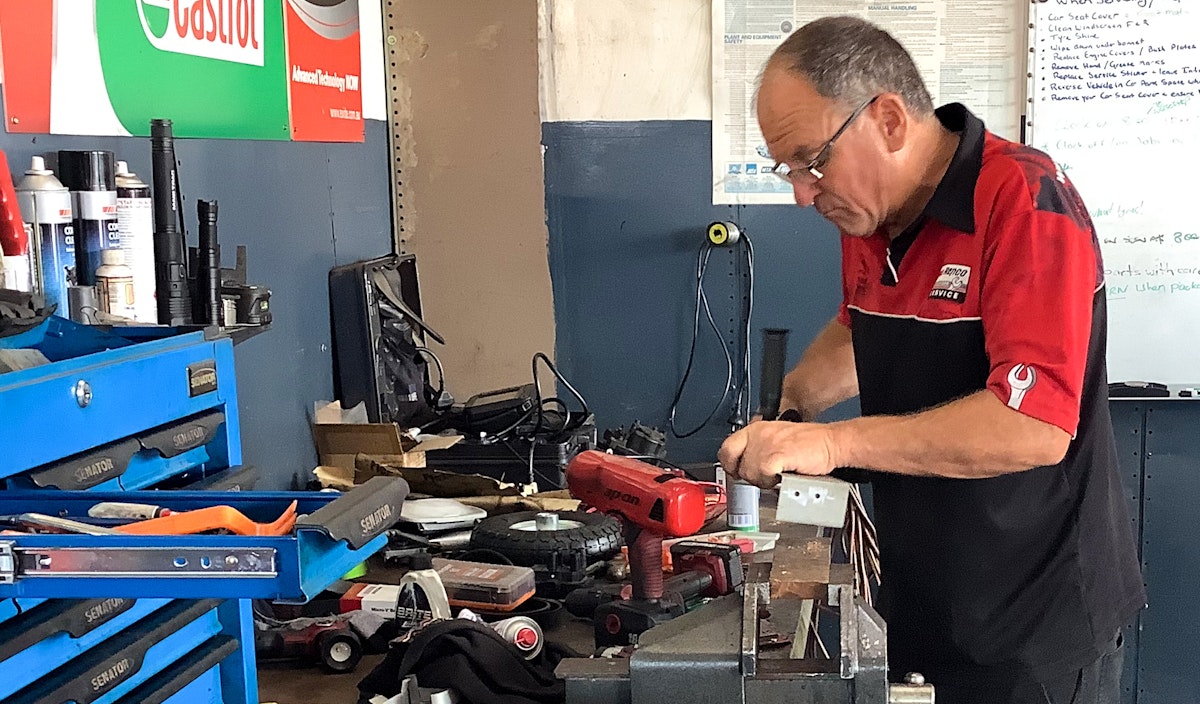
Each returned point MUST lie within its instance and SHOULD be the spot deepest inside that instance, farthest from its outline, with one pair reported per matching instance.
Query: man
(973, 331)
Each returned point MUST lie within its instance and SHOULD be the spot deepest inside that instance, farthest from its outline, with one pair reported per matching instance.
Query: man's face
(797, 122)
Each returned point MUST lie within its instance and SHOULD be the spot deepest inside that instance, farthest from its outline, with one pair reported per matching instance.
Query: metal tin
(742, 506)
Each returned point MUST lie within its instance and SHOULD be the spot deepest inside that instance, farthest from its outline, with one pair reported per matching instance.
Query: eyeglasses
(813, 168)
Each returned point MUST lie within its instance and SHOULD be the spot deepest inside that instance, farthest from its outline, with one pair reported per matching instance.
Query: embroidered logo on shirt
(1021, 379)
(951, 284)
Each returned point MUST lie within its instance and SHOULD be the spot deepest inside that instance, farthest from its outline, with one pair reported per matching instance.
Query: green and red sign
(246, 69)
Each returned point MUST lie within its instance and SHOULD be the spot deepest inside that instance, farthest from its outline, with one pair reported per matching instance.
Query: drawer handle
(83, 393)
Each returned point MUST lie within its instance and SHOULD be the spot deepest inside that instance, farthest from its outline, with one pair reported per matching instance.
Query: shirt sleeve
(1040, 281)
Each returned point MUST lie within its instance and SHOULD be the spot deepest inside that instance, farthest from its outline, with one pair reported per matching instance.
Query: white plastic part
(813, 501)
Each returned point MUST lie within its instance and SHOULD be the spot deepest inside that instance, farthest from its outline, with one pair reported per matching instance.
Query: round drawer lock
(83, 393)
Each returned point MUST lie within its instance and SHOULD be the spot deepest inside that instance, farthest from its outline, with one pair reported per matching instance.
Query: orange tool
(211, 518)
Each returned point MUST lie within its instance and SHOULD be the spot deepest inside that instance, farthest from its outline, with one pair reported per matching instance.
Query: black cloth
(1098, 682)
(471, 659)
(1025, 575)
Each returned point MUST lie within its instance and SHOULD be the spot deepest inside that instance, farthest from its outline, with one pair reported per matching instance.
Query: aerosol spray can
(18, 261)
(523, 632)
(114, 283)
(91, 178)
(46, 206)
(135, 222)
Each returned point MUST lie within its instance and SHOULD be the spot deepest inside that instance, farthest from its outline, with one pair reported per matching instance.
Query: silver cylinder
(914, 690)
(546, 521)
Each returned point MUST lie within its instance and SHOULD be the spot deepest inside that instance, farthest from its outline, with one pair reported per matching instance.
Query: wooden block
(800, 570)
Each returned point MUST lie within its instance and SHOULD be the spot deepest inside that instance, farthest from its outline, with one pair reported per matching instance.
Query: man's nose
(805, 190)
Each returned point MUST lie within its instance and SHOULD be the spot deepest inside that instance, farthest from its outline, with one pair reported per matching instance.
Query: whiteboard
(1115, 100)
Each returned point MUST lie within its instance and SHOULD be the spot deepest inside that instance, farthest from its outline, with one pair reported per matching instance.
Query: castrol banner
(239, 69)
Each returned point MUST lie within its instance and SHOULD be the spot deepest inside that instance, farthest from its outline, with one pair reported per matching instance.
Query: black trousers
(1097, 683)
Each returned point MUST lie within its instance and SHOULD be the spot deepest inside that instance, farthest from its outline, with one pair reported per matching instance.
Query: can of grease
(135, 223)
(46, 206)
(91, 178)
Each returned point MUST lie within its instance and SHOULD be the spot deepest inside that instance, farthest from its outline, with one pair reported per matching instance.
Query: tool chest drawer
(332, 533)
(194, 679)
(197, 443)
(122, 662)
(118, 400)
(57, 632)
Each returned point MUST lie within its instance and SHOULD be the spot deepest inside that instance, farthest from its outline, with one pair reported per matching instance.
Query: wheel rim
(340, 652)
(531, 525)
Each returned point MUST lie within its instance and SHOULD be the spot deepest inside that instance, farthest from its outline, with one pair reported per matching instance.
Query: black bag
(473, 660)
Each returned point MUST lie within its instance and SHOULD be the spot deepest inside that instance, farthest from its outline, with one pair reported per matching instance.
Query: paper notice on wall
(972, 53)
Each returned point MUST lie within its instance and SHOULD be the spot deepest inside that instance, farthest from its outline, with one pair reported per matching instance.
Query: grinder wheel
(515, 536)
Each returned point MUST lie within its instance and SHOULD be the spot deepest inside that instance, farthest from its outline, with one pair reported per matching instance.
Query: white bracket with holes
(813, 501)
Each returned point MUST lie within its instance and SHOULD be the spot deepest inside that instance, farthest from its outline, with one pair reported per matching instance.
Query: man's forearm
(974, 437)
(825, 375)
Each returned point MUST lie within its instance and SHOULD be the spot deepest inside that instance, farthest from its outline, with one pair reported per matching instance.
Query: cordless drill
(651, 505)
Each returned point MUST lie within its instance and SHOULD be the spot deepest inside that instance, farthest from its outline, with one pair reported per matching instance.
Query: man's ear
(893, 120)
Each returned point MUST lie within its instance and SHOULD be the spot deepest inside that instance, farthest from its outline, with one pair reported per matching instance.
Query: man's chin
(847, 225)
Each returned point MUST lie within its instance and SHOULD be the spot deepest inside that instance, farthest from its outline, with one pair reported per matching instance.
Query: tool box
(120, 415)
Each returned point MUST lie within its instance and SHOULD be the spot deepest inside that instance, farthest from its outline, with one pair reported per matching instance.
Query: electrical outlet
(813, 501)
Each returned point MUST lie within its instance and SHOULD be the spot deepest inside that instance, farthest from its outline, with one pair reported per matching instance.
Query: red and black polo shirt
(997, 286)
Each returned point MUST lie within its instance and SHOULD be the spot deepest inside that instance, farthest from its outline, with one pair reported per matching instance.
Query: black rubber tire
(598, 537)
(342, 662)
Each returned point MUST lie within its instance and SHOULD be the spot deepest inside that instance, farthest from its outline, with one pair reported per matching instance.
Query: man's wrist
(844, 443)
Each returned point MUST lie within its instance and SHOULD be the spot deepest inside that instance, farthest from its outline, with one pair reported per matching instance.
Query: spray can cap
(112, 257)
(37, 167)
(87, 170)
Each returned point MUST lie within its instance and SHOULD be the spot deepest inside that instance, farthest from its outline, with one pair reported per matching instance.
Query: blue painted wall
(628, 204)
(300, 209)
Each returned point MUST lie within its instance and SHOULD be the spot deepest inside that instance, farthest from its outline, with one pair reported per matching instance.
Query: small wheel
(339, 651)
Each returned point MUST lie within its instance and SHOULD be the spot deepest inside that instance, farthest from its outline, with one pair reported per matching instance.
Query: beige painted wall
(473, 189)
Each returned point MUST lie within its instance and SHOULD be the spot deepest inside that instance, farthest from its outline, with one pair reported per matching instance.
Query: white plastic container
(114, 281)
(741, 506)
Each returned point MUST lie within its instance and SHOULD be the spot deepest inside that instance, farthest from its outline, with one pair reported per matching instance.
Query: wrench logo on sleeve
(1021, 379)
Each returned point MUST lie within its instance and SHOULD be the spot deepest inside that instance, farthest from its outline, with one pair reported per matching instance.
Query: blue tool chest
(121, 415)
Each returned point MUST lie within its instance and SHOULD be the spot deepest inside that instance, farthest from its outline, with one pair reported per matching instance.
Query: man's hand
(761, 451)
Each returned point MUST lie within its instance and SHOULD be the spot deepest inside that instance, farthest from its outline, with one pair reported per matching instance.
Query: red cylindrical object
(14, 240)
(645, 562)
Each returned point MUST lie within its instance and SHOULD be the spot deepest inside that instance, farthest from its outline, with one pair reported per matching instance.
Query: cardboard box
(341, 435)
(375, 598)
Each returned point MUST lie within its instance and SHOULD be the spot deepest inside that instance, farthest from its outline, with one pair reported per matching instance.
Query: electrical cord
(743, 403)
(441, 387)
(701, 303)
(568, 424)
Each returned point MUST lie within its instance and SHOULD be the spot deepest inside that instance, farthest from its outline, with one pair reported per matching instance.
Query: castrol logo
(226, 30)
